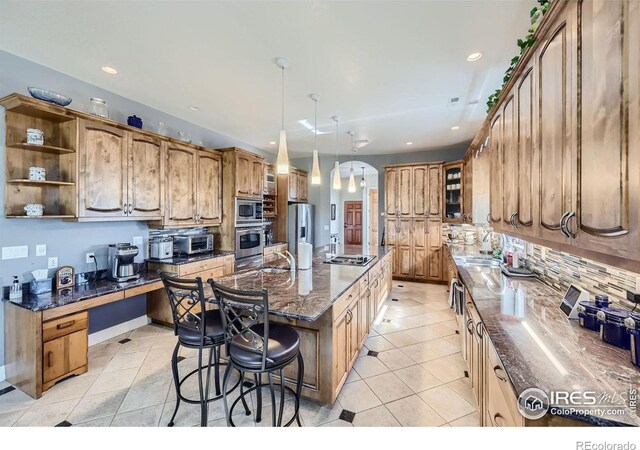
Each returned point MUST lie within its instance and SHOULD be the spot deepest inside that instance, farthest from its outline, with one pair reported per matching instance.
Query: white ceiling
(386, 68)
(345, 168)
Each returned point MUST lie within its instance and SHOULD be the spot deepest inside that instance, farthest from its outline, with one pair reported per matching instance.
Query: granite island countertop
(308, 294)
(539, 347)
(186, 259)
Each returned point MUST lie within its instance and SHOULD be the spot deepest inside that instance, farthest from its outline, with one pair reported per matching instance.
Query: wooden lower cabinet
(63, 357)
(269, 253)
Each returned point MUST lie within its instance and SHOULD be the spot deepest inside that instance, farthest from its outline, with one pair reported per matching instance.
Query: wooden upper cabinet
(525, 95)
(391, 191)
(146, 177)
(495, 183)
(453, 192)
(243, 175)
(435, 190)
(510, 177)
(467, 195)
(607, 184)
(557, 131)
(103, 170)
(405, 188)
(209, 192)
(420, 191)
(181, 185)
(293, 185)
(303, 186)
(257, 174)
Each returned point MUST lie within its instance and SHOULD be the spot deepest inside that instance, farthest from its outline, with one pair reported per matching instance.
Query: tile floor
(410, 373)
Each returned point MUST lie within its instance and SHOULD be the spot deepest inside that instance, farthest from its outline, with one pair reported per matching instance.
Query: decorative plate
(49, 96)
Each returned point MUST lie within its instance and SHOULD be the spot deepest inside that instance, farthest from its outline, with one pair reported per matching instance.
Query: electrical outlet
(326, 228)
(89, 257)
(41, 250)
(137, 240)
(53, 262)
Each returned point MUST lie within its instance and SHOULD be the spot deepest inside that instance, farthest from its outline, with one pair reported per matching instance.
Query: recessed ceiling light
(474, 56)
(194, 108)
(409, 143)
(272, 142)
(455, 127)
(109, 70)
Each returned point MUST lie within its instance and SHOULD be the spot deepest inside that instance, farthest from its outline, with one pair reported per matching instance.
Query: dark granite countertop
(81, 292)
(539, 347)
(178, 260)
(308, 294)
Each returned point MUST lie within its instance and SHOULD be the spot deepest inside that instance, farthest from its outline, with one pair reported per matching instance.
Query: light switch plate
(88, 257)
(53, 262)
(21, 251)
(41, 250)
(326, 228)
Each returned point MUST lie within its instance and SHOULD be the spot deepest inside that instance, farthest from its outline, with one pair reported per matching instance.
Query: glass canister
(99, 107)
(633, 328)
(612, 327)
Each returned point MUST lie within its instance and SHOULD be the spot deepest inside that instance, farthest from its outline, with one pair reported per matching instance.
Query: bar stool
(245, 318)
(199, 331)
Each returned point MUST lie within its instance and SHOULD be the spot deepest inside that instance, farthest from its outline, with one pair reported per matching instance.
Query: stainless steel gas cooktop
(352, 260)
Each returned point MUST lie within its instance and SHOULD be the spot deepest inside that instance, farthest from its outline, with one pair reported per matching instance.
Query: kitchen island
(331, 306)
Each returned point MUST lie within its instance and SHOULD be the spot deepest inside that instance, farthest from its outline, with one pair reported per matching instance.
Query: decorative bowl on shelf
(49, 96)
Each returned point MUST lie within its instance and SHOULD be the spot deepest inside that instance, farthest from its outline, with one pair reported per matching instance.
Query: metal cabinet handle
(562, 223)
(488, 217)
(512, 219)
(349, 317)
(62, 326)
(497, 369)
(470, 326)
(497, 417)
(49, 359)
(479, 331)
(130, 209)
(124, 210)
(568, 232)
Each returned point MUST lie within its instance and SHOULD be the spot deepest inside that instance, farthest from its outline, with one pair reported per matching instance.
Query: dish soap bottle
(15, 293)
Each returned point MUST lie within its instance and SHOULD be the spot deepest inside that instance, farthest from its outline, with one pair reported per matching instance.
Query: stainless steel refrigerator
(300, 225)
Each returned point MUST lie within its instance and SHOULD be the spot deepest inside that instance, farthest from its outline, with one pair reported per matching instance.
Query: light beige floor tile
(388, 387)
(449, 405)
(9, 418)
(443, 370)
(47, 415)
(401, 338)
(463, 388)
(375, 417)
(145, 395)
(15, 400)
(119, 337)
(369, 366)
(378, 344)
(417, 378)
(357, 396)
(425, 319)
(314, 414)
(104, 349)
(123, 361)
(456, 360)
(188, 415)
(153, 372)
(337, 423)
(470, 420)
(267, 418)
(102, 422)
(238, 420)
(429, 332)
(442, 347)
(97, 365)
(97, 406)
(145, 331)
(414, 412)
(395, 359)
(165, 340)
(419, 352)
(75, 387)
(147, 417)
(353, 376)
(397, 313)
(140, 344)
(112, 381)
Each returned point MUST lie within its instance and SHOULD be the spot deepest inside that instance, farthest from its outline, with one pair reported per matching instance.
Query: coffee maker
(121, 267)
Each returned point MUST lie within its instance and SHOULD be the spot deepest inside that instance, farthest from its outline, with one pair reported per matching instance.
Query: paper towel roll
(305, 282)
(305, 251)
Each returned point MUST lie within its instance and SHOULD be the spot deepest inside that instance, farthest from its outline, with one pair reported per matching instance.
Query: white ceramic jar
(35, 136)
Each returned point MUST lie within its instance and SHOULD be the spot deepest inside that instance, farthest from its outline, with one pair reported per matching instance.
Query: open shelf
(42, 148)
(41, 183)
(44, 216)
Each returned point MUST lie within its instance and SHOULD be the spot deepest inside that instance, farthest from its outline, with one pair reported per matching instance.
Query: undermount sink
(478, 261)
(274, 270)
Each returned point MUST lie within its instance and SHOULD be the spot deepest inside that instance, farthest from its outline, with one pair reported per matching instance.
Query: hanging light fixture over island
(316, 178)
(282, 163)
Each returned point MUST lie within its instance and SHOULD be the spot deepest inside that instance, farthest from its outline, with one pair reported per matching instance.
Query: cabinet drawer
(495, 372)
(64, 325)
(345, 300)
(498, 412)
(200, 266)
(63, 355)
(364, 282)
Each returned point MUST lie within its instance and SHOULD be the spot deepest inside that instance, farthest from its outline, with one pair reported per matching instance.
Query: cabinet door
(434, 245)
(303, 186)
(510, 177)
(467, 182)
(363, 316)
(403, 247)
(525, 94)
(420, 262)
(293, 185)
(390, 232)
(391, 191)
(609, 154)
(146, 177)
(353, 323)
(209, 188)
(243, 175)
(257, 172)
(64, 354)
(557, 130)
(103, 170)
(405, 188)
(420, 191)
(495, 186)
(341, 349)
(181, 185)
(435, 190)
(372, 303)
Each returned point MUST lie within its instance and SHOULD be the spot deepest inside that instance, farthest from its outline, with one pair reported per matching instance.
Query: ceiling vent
(359, 143)
(455, 101)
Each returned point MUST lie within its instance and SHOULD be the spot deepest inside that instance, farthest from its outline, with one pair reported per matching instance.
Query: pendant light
(316, 178)
(337, 184)
(352, 178)
(363, 182)
(282, 163)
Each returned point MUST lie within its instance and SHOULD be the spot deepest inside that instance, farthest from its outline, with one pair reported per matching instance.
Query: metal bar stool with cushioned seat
(245, 317)
(196, 331)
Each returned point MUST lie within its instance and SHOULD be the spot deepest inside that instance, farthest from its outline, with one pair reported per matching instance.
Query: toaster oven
(192, 244)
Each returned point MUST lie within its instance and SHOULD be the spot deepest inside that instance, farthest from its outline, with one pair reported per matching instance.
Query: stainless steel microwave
(248, 212)
(192, 244)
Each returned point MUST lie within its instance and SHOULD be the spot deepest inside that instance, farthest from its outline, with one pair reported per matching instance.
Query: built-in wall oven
(248, 212)
(249, 242)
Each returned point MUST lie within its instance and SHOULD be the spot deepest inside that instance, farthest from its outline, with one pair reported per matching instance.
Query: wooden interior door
(103, 170)
(181, 185)
(373, 216)
(209, 191)
(353, 222)
(146, 177)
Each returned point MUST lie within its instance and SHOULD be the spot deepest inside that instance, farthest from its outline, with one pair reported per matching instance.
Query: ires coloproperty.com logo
(534, 403)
